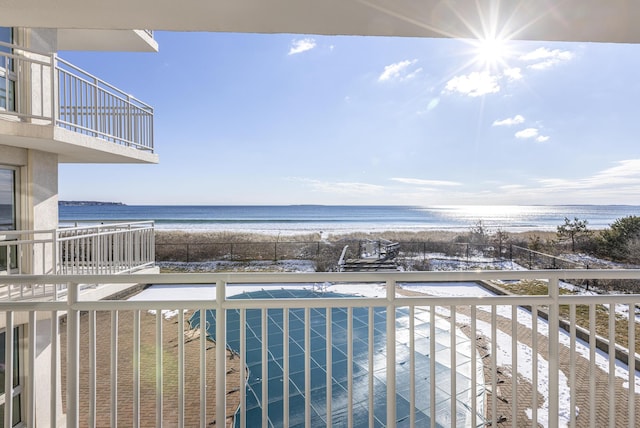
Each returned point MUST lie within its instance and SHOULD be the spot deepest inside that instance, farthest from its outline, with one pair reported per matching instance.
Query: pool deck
(171, 335)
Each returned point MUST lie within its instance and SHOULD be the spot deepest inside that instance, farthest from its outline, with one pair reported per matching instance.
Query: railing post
(221, 354)
(31, 404)
(53, 378)
(391, 353)
(96, 108)
(152, 244)
(55, 268)
(73, 356)
(54, 90)
(554, 353)
(8, 369)
(128, 122)
(129, 235)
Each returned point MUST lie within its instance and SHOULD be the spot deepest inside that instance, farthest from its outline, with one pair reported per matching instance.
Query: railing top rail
(20, 57)
(92, 234)
(23, 49)
(142, 223)
(26, 232)
(12, 242)
(316, 277)
(139, 224)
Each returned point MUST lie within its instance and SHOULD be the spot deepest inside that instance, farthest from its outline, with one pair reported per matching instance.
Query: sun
(491, 53)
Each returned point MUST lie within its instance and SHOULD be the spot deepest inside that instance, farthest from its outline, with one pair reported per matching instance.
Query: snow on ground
(442, 262)
(592, 262)
(524, 318)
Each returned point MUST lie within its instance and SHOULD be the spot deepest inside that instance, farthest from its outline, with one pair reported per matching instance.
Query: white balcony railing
(43, 87)
(101, 249)
(121, 365)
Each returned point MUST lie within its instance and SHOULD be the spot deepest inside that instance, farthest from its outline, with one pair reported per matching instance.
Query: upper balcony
(49, 104)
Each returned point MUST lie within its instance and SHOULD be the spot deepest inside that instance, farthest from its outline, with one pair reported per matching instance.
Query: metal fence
(281, 250)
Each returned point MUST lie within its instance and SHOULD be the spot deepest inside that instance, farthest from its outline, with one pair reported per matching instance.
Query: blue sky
(294, 119)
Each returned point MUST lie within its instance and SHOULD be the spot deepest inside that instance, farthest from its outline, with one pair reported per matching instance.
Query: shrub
(621, 242)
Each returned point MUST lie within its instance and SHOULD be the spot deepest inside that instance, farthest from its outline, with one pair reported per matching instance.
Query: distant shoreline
(87, 203)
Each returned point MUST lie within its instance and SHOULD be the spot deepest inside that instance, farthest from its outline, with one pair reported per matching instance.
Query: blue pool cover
(360, 369)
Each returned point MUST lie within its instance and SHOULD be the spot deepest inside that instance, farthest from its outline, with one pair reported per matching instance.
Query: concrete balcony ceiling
(70, 39)
(569, 20)
(71, 147)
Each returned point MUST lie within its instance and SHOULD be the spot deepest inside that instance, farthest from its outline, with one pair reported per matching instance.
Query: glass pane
(6, 36)
(7, 199)
(6, 252)
(7, 94)
(17, 417)
(16, 359)
(3, 89)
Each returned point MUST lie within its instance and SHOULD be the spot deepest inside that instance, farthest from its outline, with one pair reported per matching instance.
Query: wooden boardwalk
(369, 265)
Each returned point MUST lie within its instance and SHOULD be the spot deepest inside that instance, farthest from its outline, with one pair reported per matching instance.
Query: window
(7, 71)
(7, 199)
(8, 253)
(16, 398)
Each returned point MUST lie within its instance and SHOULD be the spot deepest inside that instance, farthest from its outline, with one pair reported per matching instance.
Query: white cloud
(623, 178)
(527, 133)
(515, 120)
(398, 70)
(544, 58)
(413, 73)
(343, 188)
(627, 171)
(542, 138)
(512, 187)
(513, 73)
(301, 45)
(474, 84)
(422, 182)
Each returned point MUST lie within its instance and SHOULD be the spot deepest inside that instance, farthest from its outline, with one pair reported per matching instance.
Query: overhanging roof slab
(568, 20)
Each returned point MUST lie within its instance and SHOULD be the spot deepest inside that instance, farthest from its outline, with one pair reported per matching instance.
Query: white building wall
(37, 208)
(42, 203)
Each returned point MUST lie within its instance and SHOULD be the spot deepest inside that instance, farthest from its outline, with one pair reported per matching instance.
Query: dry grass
(538, 288)
(179, 236)
(190, 237)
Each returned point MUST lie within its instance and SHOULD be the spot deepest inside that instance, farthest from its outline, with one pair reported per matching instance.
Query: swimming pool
(339, 364)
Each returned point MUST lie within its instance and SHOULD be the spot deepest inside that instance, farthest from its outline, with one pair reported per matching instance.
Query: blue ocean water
(333, 218)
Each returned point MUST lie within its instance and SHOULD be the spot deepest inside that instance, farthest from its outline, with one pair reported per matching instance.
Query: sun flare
(491, 52)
